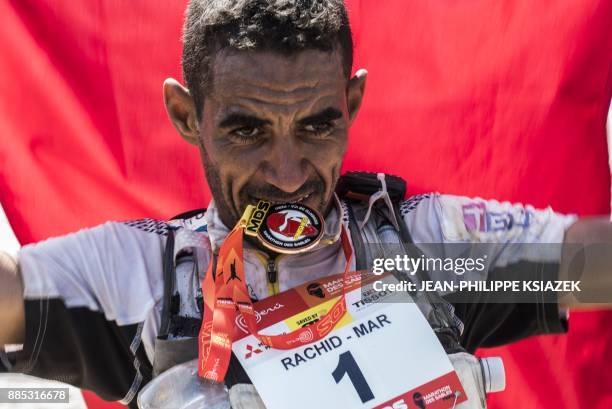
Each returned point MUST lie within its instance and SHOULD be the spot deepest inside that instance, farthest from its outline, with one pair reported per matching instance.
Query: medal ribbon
(225, 293)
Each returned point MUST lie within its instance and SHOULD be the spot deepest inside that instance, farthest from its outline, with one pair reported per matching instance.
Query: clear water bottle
(494, 374)
(180, 387)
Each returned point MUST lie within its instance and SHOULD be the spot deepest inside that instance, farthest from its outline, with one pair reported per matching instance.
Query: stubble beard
(227, 212)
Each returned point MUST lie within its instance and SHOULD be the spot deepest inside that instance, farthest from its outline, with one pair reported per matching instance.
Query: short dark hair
(284, 26)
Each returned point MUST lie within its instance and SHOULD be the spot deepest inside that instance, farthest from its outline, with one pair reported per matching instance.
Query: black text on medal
(257, 218)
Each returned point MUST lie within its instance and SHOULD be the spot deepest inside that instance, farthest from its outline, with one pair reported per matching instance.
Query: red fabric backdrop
(502, 100)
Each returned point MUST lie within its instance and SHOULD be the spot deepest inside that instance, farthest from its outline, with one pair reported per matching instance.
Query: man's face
(274, 127)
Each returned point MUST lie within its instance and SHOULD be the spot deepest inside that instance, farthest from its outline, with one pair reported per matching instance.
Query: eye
(246, 133)
(320, 129)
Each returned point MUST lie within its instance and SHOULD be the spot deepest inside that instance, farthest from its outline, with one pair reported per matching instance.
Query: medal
(287, 228)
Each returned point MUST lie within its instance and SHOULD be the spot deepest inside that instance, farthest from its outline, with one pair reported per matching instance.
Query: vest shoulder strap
(172, 324)
(377, 229)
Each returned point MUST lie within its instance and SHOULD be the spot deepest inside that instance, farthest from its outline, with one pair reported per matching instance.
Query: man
(269, 99)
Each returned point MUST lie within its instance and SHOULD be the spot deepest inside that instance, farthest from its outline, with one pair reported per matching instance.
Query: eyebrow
(236, 119)
(233, 120)
(328, 114)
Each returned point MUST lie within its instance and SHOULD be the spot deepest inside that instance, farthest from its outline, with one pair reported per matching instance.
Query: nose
(286, 168)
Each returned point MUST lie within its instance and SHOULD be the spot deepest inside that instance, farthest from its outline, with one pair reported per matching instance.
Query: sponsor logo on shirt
(477, 218)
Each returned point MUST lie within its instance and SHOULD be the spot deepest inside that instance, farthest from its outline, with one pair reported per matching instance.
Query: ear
(354, 94)
(181, 110)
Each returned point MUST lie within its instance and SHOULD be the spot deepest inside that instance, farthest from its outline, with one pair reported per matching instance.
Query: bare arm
(90, 292)
(12, 314)
(587, 256)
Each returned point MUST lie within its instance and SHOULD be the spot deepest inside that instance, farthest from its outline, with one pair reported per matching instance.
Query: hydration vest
(371, 202)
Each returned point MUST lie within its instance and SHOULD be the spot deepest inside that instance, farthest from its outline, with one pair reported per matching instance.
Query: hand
(12, 312)
(587, 257)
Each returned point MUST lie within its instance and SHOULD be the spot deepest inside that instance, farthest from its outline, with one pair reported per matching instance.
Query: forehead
(271, 77)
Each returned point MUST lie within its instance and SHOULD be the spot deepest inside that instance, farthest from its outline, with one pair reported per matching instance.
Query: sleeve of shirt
(511, 237)
(87, 296)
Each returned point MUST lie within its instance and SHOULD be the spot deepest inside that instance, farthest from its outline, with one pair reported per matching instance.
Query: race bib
(381, 354)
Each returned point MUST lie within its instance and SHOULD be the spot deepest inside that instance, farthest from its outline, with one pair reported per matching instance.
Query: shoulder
(159, 227)
(192, 220)
(412, 202)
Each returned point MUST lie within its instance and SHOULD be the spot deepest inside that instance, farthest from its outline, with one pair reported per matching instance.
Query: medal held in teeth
(286, 228)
